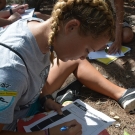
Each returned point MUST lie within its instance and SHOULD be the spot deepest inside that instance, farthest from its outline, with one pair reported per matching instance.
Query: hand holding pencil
(68, 128)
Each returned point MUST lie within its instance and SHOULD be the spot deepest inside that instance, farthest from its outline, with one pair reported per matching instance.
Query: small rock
(131, 61)
(116, 117)
(120, 84)
(133, 69)
(99, 102)
(117, 125)
(105, 76)
(112, 113)
(127, 76)
(97, 68)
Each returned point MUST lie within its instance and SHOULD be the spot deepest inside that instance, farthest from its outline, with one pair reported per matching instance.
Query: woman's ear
(71, 25)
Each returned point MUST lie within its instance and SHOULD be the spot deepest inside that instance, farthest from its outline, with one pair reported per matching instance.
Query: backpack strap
(15, 53)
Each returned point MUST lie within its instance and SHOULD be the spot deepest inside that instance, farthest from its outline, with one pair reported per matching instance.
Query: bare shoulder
(35, 27)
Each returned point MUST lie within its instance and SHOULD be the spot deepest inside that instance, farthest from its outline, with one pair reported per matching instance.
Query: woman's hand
(115, 47)
(74, 128)
(20, 9)
(52, 105)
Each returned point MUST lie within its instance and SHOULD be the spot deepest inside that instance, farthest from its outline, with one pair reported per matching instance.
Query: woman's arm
(4, 22)
(4, 14)
(20, 9)
(116, 46)
(119, 19)
(10, 20)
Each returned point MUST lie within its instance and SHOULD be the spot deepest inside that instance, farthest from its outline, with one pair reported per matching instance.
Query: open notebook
(107, 61)
(103, 57)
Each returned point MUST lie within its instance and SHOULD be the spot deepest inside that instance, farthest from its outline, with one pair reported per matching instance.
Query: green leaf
(126, 133)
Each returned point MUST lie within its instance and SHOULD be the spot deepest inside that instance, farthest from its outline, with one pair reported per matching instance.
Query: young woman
(123, 33)
(75, 28)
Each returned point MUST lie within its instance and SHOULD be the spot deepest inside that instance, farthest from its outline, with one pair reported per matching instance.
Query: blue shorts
(34, 15)
(35, 108)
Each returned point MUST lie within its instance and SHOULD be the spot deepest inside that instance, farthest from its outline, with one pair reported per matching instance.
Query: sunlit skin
(79, 47)
(68, 43)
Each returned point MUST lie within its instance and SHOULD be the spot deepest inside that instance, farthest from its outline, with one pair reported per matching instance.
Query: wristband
(11, 11)
(44, 98)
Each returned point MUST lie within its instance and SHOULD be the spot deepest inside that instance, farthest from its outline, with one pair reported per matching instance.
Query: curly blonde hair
(95, 16)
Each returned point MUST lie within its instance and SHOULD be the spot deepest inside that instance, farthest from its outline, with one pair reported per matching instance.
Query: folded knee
(127, 35)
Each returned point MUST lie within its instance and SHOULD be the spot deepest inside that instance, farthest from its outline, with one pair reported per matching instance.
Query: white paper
(28, 13)
(103, 54)
(92, 121)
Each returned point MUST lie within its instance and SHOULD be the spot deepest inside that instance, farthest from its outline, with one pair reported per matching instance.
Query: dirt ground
(120, 72)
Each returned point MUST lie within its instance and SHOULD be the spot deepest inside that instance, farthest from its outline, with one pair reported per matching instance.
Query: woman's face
(72, 46)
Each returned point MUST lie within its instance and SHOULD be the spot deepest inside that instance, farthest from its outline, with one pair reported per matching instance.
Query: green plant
(126, 133)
